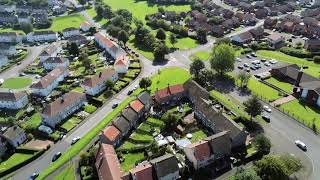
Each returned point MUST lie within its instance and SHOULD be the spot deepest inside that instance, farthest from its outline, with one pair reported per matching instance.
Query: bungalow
(54, 62)
(110, 135)
(40, 36)
(13, 100)
(3, 60)
(243, 38)
(232, 2)
(270, 23)
(85, 26)
(121, 65)
(170, 94)
(166, 167)
(40, 19)
(10, 37)
(257, 33)
(50, 51)
(313, 32)
(292, 18)
(131, 115)
(78, 40)
(276, 41)
(23, 18)
(288, 27)
(15, 136)
(312, 45)
(146, 100)
(97, 83)
(299, 29)
(142, 172)
(45, 86)
(310, 91)
(249, 19)
(122, 124)
(261, 13)
(138, 107)
(62, 107)
(107, 163)
(111, 47)
(246, 6)
(7, 49)
(72, 31)
(309, 21)
(7, 8)
(217, 30)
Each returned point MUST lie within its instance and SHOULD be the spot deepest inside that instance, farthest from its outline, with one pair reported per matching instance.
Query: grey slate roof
(165, 165)
(13, 132)
(121, 123)
(144, 97)
(130, 114)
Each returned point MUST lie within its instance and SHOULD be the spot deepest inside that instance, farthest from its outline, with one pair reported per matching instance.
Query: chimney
(299, 77)
(100, 74)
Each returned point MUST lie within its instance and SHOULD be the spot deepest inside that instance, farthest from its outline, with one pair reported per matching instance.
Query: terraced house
(3, 60)
(42, 36)
(72, 31)
(97, 83)
(109, 46)
(62, 107)
(45, 86)
(13, 100)
(54, 62)
(7, 49)
(10, 37)
(50, 51)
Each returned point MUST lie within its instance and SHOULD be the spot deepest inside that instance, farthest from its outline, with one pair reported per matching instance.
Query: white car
(301, 145)
(266, 64)
(267, 109)
(238, 59)
(135, 87)
(75, 139)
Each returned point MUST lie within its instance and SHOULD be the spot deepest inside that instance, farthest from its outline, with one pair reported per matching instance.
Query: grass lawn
(62, 22)
(16, 83)
(303, 112)
(130, 160)
(263, 91)
(203, 55)
(15, 159)
(183, 43)
(67, 173)
(281, 84)
(32, 123)
(314, 69)
(70, 123)
(198, 135)
(11, 30)
(92, 12)
(90, 108)
(169, 76)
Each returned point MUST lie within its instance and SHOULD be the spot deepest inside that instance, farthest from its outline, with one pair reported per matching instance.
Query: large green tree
(246, 174)
(222, 58)
(243, 78)
(173, 39)
(145, 83)
(262, 144)
(196, 66)
(253, 106)
(161, 34)
(202, 35)
(26, 27)
(123, 37)
(160, 50)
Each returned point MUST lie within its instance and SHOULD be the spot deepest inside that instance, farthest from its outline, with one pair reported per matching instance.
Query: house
(249, 19)
(50, 51)
(121, 65)
(3, 146)
(85, 26)
(62, 107)
(243, 38)
(10, 37)
(312, 45)
(146, 100)
(40, 19)
(228, 24)
(170, 94)
(40, 36)
(15, 136)
(276, 41)
(110, 135)
(270, 23)
(309, 21)
(7, 49)
(138, 107)
(215, 148)
(3, 60)
(261, 13)
(246, 6)
(6, 18)
(97, 83)
(54, 62)
(217, 30)
(72, 31)
(313, 32)
(310, 12)
(24, 18)
(290, 74)
(299, 29)
(166, 167)
(131, 115)
(122, 124)
(288, 27)
(232, 2)
(78, 40)
(60, 9)
(49, 82)
(310, 92)
(292, 18)
(107, 163)
(7, 8)
(195, 92)
(142, 172)
(13, 100)
(257, 33)
(109, 46)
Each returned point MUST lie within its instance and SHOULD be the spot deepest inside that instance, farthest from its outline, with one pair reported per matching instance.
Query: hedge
(300, 53)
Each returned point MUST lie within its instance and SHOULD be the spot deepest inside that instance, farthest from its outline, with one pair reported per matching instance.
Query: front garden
(16, 83)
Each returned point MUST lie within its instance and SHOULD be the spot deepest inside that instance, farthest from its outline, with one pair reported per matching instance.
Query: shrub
(316, 59)
(296, 52)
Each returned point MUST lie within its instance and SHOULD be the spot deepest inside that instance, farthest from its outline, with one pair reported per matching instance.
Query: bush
(316, 59)
(300, 53)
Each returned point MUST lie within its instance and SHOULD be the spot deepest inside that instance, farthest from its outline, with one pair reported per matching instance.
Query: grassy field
(15, 159)
(11, 30)
(32, 123)
(92, 12)
(263, 91)
(16, 83)
(169, 76)
(203, 55)
(90, 108)
(60, 23)
(314, 69)
(70, 123)
(67, 173)
(128, 164)
(281, 84)
(198, 135)
(303, 112)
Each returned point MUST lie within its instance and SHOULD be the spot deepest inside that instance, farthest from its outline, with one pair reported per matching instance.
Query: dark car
(253, 68)
(130, 92)
(34, 176)
(56, 156)
(114, 105)
(240, 67)
(247, 69)
(266, 118)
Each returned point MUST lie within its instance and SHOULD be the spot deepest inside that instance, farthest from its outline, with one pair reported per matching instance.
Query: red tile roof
(122, 60)
(201, 150)
(142, 171)
(104, 39)
(85, 23)
(136, 105)
(171, 90)
(111, 133)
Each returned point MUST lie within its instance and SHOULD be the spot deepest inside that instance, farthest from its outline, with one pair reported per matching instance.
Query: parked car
(129, 92)
(246, 65)
(301, 145)
(136, 87)
(266, 118)
(247, 69)
(253, 54)
(266, 64)
(267, 108)
(253, 68)
(33, 176)
(56, 156)
(240, 67)
(74, 140)
(238, 59)
(248, 56)
(114, 105)
(263, 60)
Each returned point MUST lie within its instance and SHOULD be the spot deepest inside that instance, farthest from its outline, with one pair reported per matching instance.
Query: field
(313, 69)
(60, 23)
(202, 55)
(281, 84)
(67, 173)
(16, 83)
(92, 12)
(128, 164)
(15, 159)
(32, 123)
(303, 112)
(263, 91)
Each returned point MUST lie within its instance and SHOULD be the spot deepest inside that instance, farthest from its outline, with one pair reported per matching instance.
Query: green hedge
(300, 53)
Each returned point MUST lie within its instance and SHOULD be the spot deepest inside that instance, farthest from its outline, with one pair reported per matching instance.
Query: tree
(173, 39)
(196, 66)
(161, 10)
(246, 174)
(145, 83)
(74, 49)
(202, 35)
(169, 118)
(107, 12)
(253, 106)
(222, 58)
(82, 2)
(293, 164)
(127, 15)
(262, 144)
(92, 30)
(26, 27)
(99, 10)
(123, 36)
(205, 77)
(161, 34)
(160, 50)
(109, 85)
(86, 61)
(243, 78)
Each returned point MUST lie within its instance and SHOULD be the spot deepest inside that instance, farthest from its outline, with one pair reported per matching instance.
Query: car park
(114, 105)
(75, 139)
(56, 156)
(301, 145)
